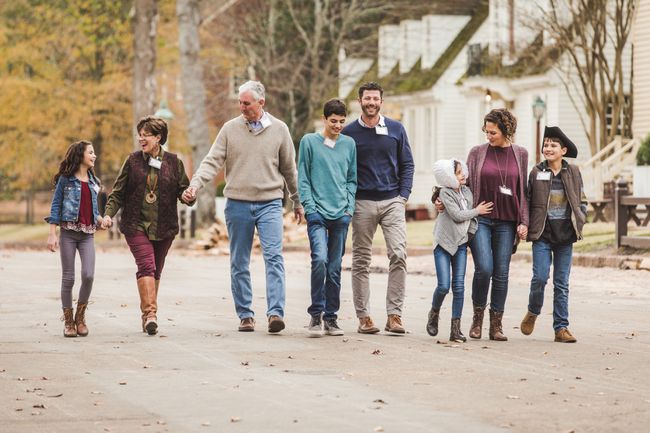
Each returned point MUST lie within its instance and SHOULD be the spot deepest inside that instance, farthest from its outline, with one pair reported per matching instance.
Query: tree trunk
(144, 60)
(198, 133)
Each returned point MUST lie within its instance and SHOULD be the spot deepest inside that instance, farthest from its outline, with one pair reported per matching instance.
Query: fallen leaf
(205, 423)
(345, 339)
(244, 363)
(55, 396)
(235, 419)
(512, 397)
(96, 392)
(376, 352)
(44, 378)
(579, 377)
(123, 305)
(19, 410)
(123, 382)
(379, 400)
(379, 428)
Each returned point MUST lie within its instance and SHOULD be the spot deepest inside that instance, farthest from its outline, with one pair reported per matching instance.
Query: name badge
(155, 163)
(265, 121)
(505, 190)
(381, 130)
(329, 143)
(96, 188)
(544, 175)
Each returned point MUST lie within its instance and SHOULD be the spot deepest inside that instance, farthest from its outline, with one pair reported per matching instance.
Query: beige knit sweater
(257, 167)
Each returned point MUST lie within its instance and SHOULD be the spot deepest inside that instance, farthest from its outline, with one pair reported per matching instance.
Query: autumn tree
(145, 22)
(65, 76)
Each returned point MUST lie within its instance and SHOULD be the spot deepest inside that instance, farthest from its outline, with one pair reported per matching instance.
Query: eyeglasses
(143, 136)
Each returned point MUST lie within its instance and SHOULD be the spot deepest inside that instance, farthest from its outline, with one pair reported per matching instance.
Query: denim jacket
(67, 198)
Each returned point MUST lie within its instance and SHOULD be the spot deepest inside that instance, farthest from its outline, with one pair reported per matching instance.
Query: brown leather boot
(563, 335)
(148, 304)
(80, 320)
(394, 324)
(456, 334)
(69, 328)
(528, 323)
(496, 329)
(432, 322)
(476, 330)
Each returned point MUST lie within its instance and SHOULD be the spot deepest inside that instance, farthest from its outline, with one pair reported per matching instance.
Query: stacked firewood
(217, 235)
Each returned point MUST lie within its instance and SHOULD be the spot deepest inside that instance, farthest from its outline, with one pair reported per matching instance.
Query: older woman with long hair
(497, 174)
(147, 189)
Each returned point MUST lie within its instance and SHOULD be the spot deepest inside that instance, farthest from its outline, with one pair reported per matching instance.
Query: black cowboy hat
(556, 132)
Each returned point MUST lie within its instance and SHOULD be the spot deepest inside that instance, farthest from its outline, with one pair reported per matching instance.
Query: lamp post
(539, 108)
(165, 114)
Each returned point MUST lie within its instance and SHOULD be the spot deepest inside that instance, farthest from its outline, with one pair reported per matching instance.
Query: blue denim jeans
(242, 217)
(327, 242)
(457, 264)
(561, 256)
(491, 251)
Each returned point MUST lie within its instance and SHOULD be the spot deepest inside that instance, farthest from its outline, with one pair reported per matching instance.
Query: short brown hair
(370, 86)
(505, 121)
(334, 106)
(154, 125)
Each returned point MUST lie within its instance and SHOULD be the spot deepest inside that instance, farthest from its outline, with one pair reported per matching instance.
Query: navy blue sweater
(384, 162)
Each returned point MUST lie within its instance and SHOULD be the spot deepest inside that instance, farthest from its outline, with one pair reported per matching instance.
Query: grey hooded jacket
(459, 218)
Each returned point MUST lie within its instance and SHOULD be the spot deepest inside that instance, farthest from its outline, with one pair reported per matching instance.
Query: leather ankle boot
(432, 322)
(80, 320)
(496, 328)
(455, 334)
(476, 330)
(528, 323)
(69, 328)
(148, 304)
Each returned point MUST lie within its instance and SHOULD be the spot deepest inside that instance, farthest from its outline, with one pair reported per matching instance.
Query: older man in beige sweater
(257, 153)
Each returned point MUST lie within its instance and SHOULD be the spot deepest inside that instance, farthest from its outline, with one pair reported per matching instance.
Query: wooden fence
(625, 209)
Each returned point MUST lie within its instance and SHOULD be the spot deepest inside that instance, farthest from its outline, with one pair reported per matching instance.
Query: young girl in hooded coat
(452, 232)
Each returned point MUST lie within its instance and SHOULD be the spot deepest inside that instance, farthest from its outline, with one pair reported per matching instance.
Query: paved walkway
(200, 375)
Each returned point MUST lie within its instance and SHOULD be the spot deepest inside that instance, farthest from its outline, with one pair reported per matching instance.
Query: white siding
(440, 31)
(641, 38)
(412, 36)
(389, 48)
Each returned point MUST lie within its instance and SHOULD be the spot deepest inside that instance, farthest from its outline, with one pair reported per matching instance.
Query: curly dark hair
(72, 160)
(153, 125)
(505, 121)
(371, 85)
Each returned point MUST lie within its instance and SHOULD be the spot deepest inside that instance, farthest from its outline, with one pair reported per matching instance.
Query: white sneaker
(332, 328)
(315, 328)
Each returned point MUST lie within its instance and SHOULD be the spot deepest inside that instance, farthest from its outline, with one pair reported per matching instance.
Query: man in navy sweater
(384, 178)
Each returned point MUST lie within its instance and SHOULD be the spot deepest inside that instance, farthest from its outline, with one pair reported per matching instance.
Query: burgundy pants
(149, 255)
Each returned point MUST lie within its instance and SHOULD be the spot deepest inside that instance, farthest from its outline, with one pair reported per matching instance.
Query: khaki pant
(389, 214)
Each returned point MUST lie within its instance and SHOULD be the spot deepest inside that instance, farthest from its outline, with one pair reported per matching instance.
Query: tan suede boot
(528, 323)
(496, 328)
(69, 328)
(80, 320)
(148, 304)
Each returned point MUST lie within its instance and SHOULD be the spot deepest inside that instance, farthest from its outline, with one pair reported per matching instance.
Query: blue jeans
(242, 217)
(457, 263)
(327, 242)
(491, 251)
(561, 256)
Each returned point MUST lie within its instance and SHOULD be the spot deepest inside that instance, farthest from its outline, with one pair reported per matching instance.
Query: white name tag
(96, 188)
(381, 130)
(265, 121)
(153, 162)
(505, 190)
(329, 143)
(544, 175)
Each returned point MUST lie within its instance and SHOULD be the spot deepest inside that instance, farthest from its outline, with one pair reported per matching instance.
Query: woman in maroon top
(497, 173)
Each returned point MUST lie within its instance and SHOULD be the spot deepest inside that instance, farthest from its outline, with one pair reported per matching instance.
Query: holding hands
(189, 195)
(522, 231)
(52, 242)
(107, 222)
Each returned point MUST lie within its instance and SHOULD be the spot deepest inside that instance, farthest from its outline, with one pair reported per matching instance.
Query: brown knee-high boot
(475, 330)
(496, 328)
(147, 289)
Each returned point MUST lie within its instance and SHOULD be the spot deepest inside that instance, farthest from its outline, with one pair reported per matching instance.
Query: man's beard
(365, 110)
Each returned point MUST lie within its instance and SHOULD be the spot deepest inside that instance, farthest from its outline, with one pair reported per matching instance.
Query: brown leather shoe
(528, 323)
(80, 320)
(276, 324)
(496, 328)
(476, 330)
(367, 326)
(247, 324)
(69, 328)
(394, 324)
(563, 335)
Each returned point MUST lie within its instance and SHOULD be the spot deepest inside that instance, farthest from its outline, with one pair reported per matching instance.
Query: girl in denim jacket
(74, 208)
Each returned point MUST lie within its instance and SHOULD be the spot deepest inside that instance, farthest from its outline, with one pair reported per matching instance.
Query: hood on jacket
(443, 170)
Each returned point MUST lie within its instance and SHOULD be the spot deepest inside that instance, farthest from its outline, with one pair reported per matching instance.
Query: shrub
(643, 155)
